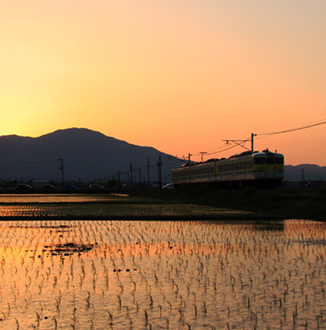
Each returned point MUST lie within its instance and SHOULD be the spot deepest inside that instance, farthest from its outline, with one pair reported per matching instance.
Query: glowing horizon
(178, 76)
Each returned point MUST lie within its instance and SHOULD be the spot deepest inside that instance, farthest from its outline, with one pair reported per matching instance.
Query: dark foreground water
(107, 207)
(162, 275)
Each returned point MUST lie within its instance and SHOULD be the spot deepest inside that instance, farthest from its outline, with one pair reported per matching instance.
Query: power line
(318, 123)
(295, 129)
(225, 149)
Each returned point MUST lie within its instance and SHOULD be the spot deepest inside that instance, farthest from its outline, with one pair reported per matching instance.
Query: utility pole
(159, 164)
(130, 175)
(125, 173)
(138, 170)
(252, 141)
(241, 143)
(148, 170)
(62, 172)
(202, 155)
(189, 155)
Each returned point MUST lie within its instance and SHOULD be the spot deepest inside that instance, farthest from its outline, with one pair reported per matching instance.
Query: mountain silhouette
(90, 156)
(305, 172)
(86, 155)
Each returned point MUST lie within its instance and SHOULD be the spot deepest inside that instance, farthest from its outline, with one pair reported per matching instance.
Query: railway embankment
(295, 203)
(179, 204)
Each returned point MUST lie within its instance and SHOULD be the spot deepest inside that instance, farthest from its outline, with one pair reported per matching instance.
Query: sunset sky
(178, 75)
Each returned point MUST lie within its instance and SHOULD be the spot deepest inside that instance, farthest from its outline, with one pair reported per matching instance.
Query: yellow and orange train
(258, 169)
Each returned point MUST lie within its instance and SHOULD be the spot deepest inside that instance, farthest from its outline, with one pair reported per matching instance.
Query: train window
(270, 160)
(279, 160)
(259, 160)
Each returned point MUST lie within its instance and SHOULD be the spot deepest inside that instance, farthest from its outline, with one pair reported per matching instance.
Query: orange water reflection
(123, 274)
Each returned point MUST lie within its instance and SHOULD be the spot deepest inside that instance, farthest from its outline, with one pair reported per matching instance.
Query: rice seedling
(162, 274)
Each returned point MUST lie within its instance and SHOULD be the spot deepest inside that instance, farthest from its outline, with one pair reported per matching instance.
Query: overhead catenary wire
(295, 129)
(260, 135)
(225, 149)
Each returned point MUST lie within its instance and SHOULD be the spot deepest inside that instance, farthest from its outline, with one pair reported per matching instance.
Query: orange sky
(180, 76)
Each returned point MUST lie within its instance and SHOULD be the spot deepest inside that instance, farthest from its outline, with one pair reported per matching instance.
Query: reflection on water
(160, 275)
(53, 198)
(103, 206)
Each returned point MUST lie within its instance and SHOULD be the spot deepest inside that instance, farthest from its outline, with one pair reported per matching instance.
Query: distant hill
(87, 156)
(92, 156)
(305, 172)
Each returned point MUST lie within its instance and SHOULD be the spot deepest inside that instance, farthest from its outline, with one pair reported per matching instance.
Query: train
(263, 169)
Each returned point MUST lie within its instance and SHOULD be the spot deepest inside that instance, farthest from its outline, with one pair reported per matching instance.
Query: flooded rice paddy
(106, 274)
(57, 198)
(104, 207)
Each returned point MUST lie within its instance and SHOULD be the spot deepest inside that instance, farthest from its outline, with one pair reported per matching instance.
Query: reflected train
(258, 169)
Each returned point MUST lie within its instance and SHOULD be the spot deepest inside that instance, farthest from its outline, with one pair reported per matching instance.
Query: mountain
(304, 172)
(92, 156)
(86, 155)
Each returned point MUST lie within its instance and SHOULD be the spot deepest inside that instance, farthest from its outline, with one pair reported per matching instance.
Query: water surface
(162, 275)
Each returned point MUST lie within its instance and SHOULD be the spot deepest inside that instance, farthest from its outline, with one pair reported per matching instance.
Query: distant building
(40, 184)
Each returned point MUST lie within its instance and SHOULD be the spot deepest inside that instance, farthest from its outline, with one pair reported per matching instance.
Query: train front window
(270, 160)
(279, 160)
(258, 161)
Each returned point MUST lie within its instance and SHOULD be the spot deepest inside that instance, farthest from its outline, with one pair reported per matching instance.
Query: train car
(259, 169)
